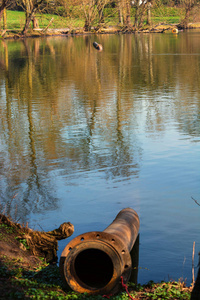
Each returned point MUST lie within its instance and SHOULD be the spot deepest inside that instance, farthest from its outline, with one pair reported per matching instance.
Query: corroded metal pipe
(94, 262)
(98, 46)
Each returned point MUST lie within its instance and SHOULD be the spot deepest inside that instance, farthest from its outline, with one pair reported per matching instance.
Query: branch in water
(195, 201)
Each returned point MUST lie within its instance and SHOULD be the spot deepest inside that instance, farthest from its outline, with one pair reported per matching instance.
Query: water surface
(84, 134)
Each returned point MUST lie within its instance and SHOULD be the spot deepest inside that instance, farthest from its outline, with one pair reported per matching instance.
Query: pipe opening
(94, 268)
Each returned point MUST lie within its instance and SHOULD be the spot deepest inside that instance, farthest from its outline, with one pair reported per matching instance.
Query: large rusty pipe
(94, 262)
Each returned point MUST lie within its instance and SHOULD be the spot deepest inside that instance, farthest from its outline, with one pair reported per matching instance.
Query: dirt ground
(11, 246)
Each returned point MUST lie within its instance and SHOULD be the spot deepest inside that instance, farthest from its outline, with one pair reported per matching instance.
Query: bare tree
(119, 6)
(141, 8)
(3, 5)
(92, 9)
(124, 12)
(90, 13)
(30, 7)
(127, 14)
(149, 13)
(188, 6)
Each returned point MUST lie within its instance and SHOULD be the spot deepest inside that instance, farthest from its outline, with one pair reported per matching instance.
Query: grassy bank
(16, 19)
(25, 276)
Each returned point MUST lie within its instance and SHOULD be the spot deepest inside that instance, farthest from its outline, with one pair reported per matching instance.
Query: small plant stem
(193, 251)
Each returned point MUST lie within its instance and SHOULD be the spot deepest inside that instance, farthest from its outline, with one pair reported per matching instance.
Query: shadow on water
(135, 261)
(196, 290)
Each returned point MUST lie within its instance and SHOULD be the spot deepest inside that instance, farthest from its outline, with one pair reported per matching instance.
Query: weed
(167, 291)
(8, 229)
(23, 242)
(44, 282)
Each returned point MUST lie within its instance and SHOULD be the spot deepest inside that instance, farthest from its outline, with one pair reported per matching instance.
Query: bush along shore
(28, 269)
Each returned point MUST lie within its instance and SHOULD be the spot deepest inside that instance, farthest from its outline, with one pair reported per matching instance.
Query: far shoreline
(37, 33)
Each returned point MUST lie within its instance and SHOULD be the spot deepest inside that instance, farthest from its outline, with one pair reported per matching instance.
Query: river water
(84, 134)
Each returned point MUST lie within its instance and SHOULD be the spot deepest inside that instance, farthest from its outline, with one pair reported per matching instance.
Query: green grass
(8, 229)
(47, 284)
(16, 19)
(167, 20)
(167, 14)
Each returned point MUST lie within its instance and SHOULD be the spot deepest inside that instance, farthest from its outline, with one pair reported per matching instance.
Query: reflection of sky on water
(161, 195)
(98, 145)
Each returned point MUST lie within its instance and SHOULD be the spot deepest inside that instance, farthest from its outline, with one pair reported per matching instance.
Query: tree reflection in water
(66, 108)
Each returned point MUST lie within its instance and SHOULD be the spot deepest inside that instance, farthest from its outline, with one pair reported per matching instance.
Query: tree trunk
(149, 13)
(128, 13)
(29, 18)
(4, 19)
(136, 22)
(35, 23)
(45, 244)
(30, 12)
(184, 23)
(87, 26)
(120, 12)
(27, 23)
(40, 243)
(3, 5)
(188, 8)
(101, 15)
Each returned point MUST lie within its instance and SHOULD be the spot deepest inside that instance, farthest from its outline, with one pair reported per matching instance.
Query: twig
(193, 251)
(3, 32)
(45, 29)
(195, 201)
(4, 211)
(16, 212)
(40, 227)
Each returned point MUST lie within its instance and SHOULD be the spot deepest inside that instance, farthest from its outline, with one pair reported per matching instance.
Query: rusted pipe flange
(94, 262)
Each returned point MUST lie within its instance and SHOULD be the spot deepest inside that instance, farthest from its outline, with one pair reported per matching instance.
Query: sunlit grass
(16, 19)
(170, 20)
